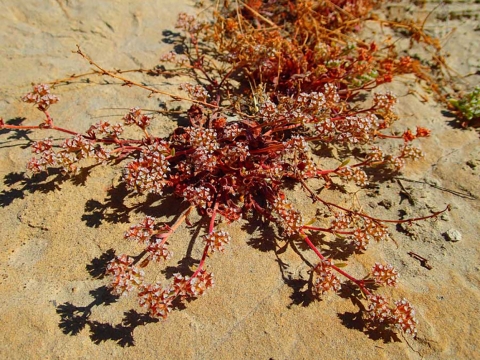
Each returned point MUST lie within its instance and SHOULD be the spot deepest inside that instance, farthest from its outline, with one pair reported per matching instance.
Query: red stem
(211, 227)
(330, 230)
(359, 283)
(316, 197)
(36, 127)
(383, 136)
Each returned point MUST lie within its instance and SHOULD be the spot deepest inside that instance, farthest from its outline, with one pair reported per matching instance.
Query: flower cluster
(401, 316)
(385, 101)
(42, 146)
(396, 162)
(235, 154)
(142, 232)
(158, 300)
(404, 317)
(83, 148)
(231, 131)
(41, 97)
(412, 152)
(195, 286)
(136, 117)
(375, 154)
(67, 157)
(203, 138)
(104, 128)
(342, 221)
(196, 92)
(47, 157)
(187, 23)
(364, 233)
(378, 310)
(325, 280)
(217, 240)
(331, 93)
(200, 197)
(148, 173)
(384, 274)
(158, 251)
(304, 108)
(126, 277)
(355, 174)
(361, 230)
(175, 58)
(289, 218)
(349, 129)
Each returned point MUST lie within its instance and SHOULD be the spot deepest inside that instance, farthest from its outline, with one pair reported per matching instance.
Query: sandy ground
(54, 230)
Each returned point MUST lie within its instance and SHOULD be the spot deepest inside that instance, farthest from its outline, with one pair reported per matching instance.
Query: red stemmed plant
(271, 82)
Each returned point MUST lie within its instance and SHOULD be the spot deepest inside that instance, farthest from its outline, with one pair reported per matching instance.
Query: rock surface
(52, 305)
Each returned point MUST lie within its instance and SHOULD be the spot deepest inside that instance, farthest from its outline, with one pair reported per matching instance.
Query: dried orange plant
(272, 83)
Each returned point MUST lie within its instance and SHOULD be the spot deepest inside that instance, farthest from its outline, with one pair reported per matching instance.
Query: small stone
(387, 204)
(453, 235)
(472, 164)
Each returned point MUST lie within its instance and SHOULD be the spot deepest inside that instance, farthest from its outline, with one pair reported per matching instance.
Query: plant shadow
(73, 319)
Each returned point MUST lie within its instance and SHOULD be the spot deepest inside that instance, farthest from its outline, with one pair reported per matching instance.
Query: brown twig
(129, 82)
(423, 261)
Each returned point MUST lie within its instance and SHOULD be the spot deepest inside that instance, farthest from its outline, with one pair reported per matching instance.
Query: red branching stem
(124, 148)
(313, 247)
(327, 203)
(165, 235)
(49, 120)
(174, 227)
(20, 127)
(104, 72)
(202, 261)
(226, 76)
(65, 130)
(36, 127)
(359, 283)
(329, 230)
(147, 135)
(326, 172)
(212, 219)
(268, 149)
(211, 227)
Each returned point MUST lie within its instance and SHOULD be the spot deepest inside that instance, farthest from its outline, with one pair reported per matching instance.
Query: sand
(54, 304)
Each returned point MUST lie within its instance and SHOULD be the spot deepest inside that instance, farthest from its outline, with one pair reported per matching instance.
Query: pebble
(472, 164)
(444, 217)
(387, 204)
(453, 235)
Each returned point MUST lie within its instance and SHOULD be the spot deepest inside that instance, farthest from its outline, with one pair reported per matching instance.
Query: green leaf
(344, 163)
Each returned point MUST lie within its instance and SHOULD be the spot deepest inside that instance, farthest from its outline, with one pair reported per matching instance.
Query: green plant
(468, 107)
